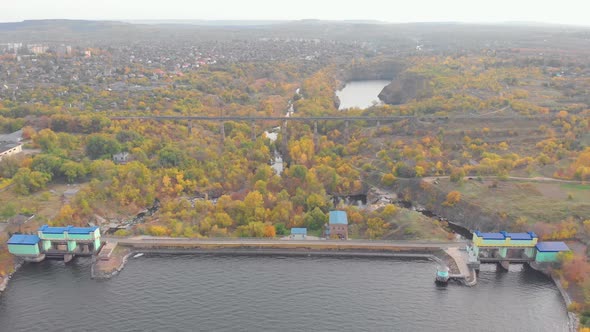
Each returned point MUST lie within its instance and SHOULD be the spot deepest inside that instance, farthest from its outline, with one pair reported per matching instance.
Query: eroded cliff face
(383, 69)
(405, 87)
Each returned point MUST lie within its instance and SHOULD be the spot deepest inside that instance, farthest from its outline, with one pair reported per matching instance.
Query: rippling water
(255, 293)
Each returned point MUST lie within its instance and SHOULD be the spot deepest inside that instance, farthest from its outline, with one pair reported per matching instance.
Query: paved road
(285, 243)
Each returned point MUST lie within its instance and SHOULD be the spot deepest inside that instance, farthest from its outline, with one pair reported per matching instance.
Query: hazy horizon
(567, 12)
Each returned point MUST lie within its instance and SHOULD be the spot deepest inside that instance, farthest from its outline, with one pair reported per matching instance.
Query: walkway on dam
(361, 248)
(325, 118)
(461, 258)
(146, 241)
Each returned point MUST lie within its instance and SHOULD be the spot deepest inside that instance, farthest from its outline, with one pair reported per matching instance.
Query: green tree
(315, 219)
(103, 169)
(315, 201)
(73, 171)
(252, 229)
(100, 146)
(67, 141)
(405, 171)
(9, 166)
(125, 136)
(281, 229)
(47, 164)
(47, 140)
(171, 157)
(26, 181)
(222, 220)
(281, 213)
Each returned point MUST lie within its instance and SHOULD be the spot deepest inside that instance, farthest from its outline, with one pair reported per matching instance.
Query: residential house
(121, 158)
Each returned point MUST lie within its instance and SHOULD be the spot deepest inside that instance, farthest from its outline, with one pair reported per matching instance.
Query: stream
(272, 134)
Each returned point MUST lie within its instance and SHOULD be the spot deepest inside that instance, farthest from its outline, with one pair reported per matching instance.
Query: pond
(360, 94)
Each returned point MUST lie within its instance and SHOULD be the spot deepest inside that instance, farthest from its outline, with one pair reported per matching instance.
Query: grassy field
(408, 224)
(44, 204)
(537, 201)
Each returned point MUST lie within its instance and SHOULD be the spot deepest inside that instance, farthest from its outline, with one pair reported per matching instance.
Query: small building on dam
(61, 242)
(514, 247)
(25, 246)
(547, 252)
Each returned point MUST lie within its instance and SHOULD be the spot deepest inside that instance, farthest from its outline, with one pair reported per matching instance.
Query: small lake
(360, 94)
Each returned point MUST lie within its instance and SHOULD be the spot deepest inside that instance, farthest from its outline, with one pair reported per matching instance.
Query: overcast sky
(549, 11)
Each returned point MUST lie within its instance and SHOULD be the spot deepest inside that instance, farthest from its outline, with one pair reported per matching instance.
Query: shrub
(452, 198)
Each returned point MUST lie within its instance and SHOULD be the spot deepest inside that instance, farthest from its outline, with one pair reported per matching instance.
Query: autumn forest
(499, 127)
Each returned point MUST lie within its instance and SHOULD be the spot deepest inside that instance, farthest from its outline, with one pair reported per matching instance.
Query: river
(274, 293)
(277, 158)
(360, 94)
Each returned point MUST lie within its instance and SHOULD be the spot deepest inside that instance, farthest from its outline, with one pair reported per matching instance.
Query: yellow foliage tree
(158, 230)
(452, 198)
(65, 216)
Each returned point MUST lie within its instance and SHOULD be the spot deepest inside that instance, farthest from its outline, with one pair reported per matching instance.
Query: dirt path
(431, 179)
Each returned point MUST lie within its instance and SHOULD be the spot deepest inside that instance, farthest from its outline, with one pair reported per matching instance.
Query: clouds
(563, 11)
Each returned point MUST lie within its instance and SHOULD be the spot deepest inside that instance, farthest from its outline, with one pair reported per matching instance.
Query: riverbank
(4, 280)
(573, 319)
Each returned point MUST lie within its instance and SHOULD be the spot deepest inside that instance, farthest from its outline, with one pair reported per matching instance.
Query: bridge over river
(377, 119)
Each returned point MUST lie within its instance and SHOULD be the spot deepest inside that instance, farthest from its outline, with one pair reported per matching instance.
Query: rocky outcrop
(406, 87)
(383, 69)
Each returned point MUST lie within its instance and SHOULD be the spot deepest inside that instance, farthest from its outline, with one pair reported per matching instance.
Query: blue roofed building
(25, 246)
(298, 233)
(547, 252)
(337, 227)
(49, 241)
(72, 237)
(499, 244)
(505, 239)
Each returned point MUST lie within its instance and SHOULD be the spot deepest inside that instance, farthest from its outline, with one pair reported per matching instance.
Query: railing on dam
(324, 118)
